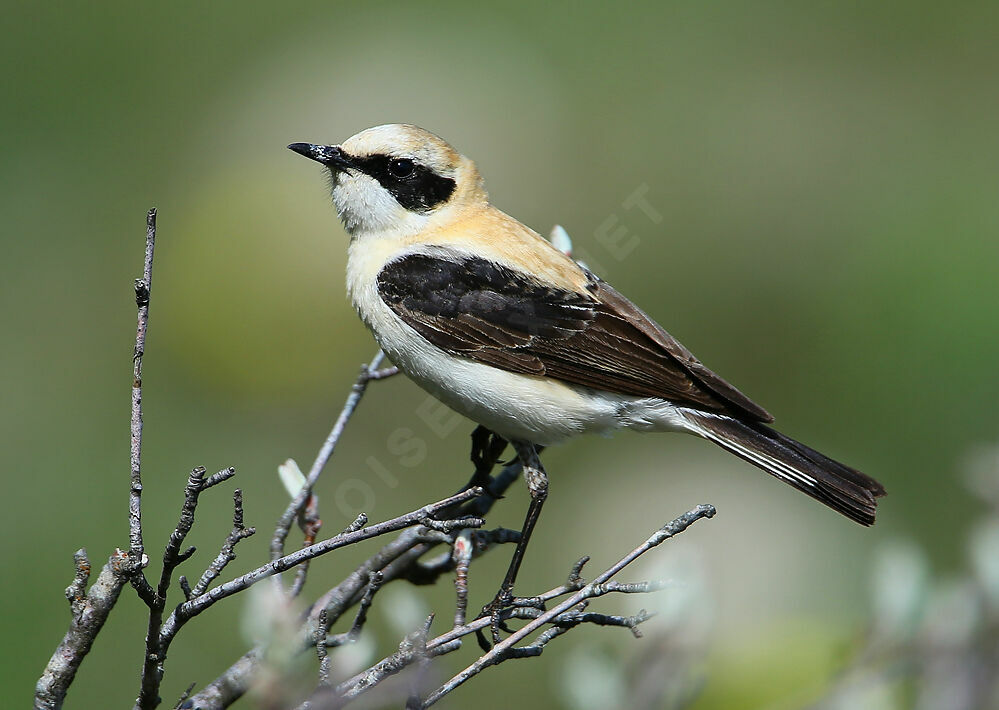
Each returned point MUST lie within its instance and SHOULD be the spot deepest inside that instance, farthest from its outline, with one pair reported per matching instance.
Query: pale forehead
(403, 140)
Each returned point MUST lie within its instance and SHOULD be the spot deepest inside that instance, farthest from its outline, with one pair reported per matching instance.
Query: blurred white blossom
(591, 679)
(292, 477)
(270, 622)
(403, 608)
(901, 578)
(985, 559)
(560, 240)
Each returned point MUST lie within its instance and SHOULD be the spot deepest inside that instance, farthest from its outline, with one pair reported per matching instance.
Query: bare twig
(142, 293)
(375, 582)
(422, 661)
(89, 612)
(575, 582)
(76, 592)
(382, 373)
(228, 552)
(359, 522)
(398, 560)
(204, 600)
(451, 641)
(321, 651)
(568, 614)
(156, 645)
(502, 649)
(368, 373)
(462, 556)
(183, 697)
(152, 659)
(311, 524)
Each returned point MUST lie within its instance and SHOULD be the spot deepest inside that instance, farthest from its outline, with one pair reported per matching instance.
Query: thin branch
(421, 658)
(219, 477)
(450, 641)
(156, 646)
(462, 558)
(335, 603)
(184, 696)
(359, 522)
(228, 552)
(201, 602)
(397, 560)
(321, 651)
(568, 614)
(171, 553)
(368, 373)
(152, 665)
(575, 582)
(89, 612)
(502, 649)
(535, 649)
(375, 581)
(311, 524)
(383, 373)
(90, 609)
(76, 592)
(142, 293)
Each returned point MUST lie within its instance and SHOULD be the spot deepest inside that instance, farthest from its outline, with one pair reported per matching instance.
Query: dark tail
(844, 489)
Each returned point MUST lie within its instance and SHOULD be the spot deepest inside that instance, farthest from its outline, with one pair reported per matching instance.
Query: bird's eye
(401, 167)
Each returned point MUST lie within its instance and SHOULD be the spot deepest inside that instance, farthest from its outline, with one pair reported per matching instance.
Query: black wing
(488, 312)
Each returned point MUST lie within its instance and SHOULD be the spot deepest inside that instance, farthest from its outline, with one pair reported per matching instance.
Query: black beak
(332, 156)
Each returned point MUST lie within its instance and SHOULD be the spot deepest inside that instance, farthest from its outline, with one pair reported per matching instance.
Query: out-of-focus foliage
(823, 228)
(934, 641)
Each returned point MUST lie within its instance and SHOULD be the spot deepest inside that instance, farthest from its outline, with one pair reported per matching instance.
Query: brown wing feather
(638, 320)
(488, 312)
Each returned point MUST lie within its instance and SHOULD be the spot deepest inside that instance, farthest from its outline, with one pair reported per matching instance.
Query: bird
(490, 318)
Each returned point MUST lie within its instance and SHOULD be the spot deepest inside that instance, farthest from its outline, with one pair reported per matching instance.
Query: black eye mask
(416, 187)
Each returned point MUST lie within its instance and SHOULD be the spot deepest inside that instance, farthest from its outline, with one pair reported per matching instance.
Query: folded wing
(489, 312)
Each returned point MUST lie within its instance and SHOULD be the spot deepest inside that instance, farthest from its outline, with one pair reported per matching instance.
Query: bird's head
(396, 178)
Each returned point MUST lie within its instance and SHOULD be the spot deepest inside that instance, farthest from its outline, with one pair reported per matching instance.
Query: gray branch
(397, 560)
(142, 293)
(90, 610)
(368, 373)
(227, 554)
(501, 650)
(417, 650)
(200, 603)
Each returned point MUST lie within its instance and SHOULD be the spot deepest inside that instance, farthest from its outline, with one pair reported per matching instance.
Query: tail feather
(844, 489)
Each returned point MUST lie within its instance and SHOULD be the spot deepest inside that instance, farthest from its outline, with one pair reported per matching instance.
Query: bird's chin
(342, 201)
(332, 178)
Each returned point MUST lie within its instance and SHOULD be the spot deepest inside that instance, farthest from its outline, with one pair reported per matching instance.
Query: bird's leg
(537, 484)
(487, 448)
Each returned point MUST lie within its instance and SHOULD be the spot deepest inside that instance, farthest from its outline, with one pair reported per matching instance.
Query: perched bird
(490, 318)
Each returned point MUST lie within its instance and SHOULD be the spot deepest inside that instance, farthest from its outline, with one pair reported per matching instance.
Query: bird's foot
(498, 612)
(487, 447)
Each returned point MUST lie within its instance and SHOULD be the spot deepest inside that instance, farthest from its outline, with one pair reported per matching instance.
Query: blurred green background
(827, 179)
